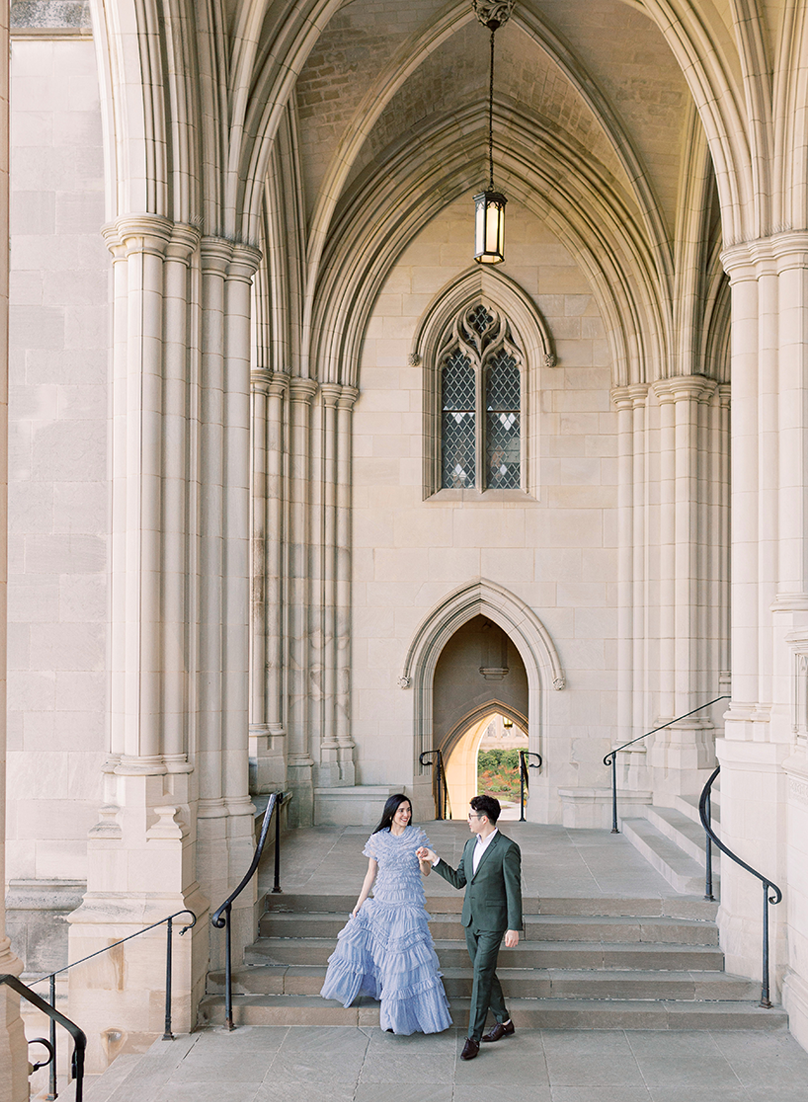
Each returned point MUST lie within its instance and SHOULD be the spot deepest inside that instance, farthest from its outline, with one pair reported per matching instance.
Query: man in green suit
(491, 872)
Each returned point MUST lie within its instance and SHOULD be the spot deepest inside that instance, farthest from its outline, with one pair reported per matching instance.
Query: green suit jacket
(494, 893)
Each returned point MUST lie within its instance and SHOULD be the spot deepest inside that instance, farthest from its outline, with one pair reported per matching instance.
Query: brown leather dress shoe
(470, 1049)
(500, 1030)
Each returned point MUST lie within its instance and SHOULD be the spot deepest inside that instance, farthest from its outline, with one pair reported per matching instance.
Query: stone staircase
(582, 963)
(671, 839)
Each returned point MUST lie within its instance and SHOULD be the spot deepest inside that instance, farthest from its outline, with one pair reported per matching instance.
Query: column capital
(184, 242)
(631, 396)
(348, 397)
(216, 253)
(330, 393)
(302, 390)
(279, 384)
(679, 388)
(724, 393)
(243, 263)
(766, 256)
(260, 379)
(137, 233)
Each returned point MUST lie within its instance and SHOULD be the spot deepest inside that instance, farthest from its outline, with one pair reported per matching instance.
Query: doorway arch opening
(480, 691)
(484, 759)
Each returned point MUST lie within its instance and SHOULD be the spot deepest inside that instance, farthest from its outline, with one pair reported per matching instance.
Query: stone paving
(364, 1064)
(345, 1064)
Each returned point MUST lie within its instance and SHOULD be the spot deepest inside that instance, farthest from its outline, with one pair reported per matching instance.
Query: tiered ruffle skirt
(387, 952)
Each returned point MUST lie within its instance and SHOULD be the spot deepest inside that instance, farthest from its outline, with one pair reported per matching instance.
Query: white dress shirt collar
(481, 847)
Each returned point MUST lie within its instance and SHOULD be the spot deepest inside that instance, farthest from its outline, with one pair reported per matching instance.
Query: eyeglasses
(473, 815)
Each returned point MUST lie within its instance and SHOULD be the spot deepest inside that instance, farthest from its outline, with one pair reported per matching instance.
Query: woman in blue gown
(386, 950)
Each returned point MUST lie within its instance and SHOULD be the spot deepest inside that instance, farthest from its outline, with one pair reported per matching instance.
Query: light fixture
(507, 723)
(489, 205)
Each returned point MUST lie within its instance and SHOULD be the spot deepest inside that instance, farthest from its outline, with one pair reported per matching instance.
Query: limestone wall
(60, 291)
(554, 548)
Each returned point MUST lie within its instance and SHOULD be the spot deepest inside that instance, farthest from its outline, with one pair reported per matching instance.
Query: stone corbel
(108, 825)
(169, 825)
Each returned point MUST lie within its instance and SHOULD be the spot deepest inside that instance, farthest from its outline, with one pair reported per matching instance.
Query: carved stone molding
(216, 254)
(630, 397)
(493, 14)
(302, 390)
(330, 393)
(243, 263)
(138, 233)
(680, 388)
(347, 398)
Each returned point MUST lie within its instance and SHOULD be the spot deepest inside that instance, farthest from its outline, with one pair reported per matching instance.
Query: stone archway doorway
(479, 676)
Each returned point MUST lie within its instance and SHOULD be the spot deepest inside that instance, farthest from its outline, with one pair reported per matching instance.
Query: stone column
(631, 403)
(141, 853)
(345, 742)
(300, 762)
(225, 810)
(277, 481)
(764, 763)
(267, 732)
(259, 728)
(625, 561)
(683, 754)
(13, 1049)
(327, 770)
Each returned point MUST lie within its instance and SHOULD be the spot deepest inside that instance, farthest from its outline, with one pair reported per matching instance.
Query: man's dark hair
(486, 805)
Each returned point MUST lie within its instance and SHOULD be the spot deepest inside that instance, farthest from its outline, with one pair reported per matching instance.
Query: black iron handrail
(443, 788)
(765, 1001)
(524, 778)
(51, 1054)
(51, 977)
(78, 1035)
(611, 757)
(221, 917)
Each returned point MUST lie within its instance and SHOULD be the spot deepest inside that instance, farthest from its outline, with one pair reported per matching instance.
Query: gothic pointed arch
(531, 638)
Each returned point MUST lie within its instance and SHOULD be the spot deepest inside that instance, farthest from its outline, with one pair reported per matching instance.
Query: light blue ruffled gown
(387, 951)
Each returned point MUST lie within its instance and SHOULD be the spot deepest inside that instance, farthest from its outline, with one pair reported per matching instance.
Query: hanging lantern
(489, 227)
(489, 205)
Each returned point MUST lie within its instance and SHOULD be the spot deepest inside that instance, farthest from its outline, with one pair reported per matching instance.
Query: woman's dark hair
(486, 805)
(390, 808)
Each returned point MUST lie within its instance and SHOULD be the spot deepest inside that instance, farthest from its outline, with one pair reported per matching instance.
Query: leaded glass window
(502, 405)
(458, 428)
(480, 403)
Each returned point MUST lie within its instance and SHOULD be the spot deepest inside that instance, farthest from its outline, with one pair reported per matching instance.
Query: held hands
(511, 939)
(425, 854)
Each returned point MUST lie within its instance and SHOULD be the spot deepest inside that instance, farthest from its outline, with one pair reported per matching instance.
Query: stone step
(689, 806)
(526, 1013)
(528, 954)
(680, 870)
(689, 836)
(672, 907)
(606, 928)
(526, 983)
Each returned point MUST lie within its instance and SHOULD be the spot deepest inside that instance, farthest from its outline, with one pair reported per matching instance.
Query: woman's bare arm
(367, 884)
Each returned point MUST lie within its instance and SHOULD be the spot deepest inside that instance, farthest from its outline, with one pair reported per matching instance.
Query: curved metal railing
(51, 977)
(78, 1035)
(611, 757)
(444, 810)
(524, 778)
(765, 1001)
(221, 917)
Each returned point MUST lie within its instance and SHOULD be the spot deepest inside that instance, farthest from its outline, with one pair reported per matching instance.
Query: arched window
(480, 370)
